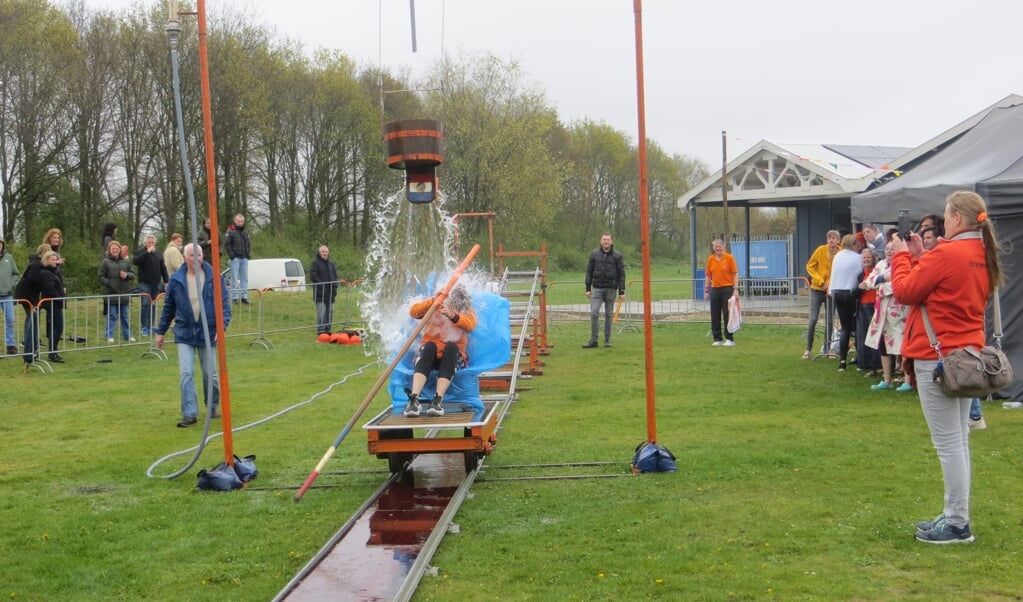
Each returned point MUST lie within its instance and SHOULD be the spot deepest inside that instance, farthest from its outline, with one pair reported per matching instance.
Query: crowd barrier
(763, 301)
(270, 311)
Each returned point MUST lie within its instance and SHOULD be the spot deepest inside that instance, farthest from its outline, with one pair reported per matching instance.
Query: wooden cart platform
(392, 436)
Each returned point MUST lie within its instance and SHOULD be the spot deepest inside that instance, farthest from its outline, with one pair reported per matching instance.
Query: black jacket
(323, 273)
(29, 288)
(151, 269)
(237, 243)
(606, 270)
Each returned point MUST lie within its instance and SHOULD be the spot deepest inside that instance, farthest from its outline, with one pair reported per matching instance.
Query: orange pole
(644, 222)
(386, 373)
(211, 188)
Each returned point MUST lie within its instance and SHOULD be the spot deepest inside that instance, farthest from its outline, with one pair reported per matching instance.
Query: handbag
(971, 372)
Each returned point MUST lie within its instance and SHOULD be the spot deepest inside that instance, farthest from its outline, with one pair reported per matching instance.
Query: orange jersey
(721, 272)
(440, 329)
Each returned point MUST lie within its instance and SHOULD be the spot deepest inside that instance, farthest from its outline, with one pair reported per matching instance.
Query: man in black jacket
(323, 275)
(152, 274)
(605, 273)
(239, 252)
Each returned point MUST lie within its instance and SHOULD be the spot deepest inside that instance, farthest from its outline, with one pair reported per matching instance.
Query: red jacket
(952, 281)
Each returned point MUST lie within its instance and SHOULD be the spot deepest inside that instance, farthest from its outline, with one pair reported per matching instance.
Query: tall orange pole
(644, 231)
(211, 188)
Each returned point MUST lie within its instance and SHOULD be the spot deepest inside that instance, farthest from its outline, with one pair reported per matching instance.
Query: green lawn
(795, 482)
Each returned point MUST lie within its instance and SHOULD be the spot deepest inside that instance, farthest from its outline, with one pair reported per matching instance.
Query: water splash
(409, 256)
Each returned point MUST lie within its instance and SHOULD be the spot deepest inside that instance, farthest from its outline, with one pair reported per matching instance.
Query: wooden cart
(393, 436)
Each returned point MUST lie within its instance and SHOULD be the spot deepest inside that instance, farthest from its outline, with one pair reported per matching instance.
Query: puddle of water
(371, 561)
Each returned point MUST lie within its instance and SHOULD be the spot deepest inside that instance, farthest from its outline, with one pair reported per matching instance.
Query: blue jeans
(146, 311)
(7, 306)
(601, 297)
(186, 369)
(115, 312)
(818, 298)
(324, 316)
(947, 421)
(975, 413)
(239, 278)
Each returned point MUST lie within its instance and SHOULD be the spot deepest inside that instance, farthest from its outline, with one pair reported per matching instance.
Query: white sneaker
(131, 339)
(110, 341)
(977, 425)
(729, 343)
(716, 344)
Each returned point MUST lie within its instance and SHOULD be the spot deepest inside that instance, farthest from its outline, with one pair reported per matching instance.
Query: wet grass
(795, 482)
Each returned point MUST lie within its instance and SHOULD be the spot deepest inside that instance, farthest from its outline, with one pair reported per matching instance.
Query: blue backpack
(652, 457)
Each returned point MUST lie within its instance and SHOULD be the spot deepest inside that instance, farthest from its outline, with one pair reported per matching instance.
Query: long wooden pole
(386, 373)
(644, 225)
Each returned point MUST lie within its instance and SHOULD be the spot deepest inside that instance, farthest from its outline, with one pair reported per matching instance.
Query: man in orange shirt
(722, 276)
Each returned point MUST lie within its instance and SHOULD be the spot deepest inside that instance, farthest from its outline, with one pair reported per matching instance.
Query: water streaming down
(409, 256)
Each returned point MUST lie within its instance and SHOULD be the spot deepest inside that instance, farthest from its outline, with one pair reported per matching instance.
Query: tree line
(88, 135)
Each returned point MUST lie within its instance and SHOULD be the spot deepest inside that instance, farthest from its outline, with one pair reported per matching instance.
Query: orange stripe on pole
(415, 157)
(387, 371)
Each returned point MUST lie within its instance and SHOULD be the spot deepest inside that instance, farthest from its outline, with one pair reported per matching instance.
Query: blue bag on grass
(652, 457)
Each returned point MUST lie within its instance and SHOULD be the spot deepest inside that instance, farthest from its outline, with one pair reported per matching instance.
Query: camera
(904, 225)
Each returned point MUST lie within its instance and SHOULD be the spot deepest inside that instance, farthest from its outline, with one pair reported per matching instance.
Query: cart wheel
(470, 461)
(396, 462)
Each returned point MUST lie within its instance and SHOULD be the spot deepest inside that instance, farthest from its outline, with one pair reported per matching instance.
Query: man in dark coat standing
(323, 275)
(605, 274)
(239, 251)
(152, 274)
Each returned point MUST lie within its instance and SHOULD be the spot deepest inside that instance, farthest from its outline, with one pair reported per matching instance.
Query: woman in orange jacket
(954, 281)
(444, 341)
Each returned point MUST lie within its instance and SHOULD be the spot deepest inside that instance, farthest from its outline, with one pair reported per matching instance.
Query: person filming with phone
(954, 281)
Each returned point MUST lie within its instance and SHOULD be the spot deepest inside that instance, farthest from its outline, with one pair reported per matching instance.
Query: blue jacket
(177, 307)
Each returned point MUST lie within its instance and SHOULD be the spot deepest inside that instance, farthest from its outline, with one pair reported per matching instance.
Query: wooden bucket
(414, 144)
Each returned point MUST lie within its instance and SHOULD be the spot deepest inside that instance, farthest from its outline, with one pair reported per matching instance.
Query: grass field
(795, 482)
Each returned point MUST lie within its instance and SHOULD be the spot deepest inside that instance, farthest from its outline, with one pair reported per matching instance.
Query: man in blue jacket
(187, 292)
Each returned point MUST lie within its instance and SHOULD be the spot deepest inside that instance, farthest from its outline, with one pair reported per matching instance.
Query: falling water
(409, 256)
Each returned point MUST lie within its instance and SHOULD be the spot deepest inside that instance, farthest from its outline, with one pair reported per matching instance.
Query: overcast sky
(889, 72)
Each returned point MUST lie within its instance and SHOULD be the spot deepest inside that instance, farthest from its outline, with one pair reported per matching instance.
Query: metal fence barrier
(272, 311)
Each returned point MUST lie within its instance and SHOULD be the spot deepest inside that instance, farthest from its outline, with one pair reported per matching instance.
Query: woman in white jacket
(889, 322)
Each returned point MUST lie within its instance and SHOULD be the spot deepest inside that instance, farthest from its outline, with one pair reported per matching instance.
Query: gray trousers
(599, 297)
(950, 433)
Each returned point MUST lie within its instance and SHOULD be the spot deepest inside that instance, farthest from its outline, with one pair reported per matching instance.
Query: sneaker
(881, 386)
(56, 358)
(977, 425)
(412, 407)
(729, 343)
(607, 344)
(927, 525)
(187, 421)
(131, 339)
(590, 345)
(717, 343)
(12, 350)
(904, 387)
(145, 332)
(943, 533)
(110, 341)
(841, 366)
(436, 406)
(215, 413)
(245, 302)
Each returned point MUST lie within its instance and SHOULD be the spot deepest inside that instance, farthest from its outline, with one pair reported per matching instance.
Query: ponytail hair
(972, 207)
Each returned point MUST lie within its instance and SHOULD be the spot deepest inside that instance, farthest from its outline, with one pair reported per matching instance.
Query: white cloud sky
(867, 72)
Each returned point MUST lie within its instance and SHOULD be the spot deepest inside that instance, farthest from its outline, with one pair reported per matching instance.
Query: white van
(280, 274)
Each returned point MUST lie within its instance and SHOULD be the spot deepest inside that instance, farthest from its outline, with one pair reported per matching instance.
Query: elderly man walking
(190, 293)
